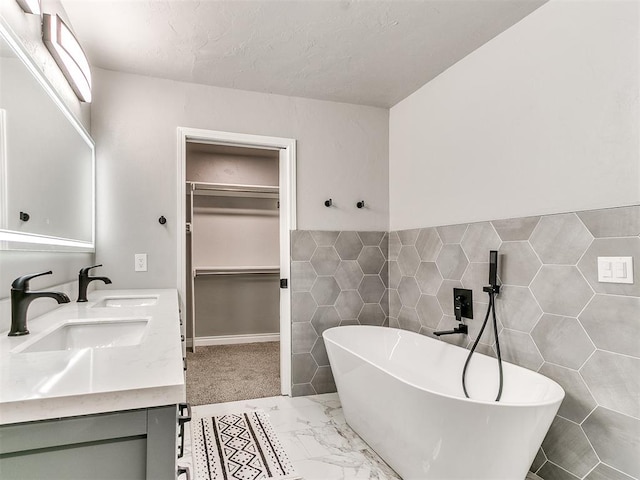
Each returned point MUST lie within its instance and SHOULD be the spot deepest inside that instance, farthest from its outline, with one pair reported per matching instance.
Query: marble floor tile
(314, 433)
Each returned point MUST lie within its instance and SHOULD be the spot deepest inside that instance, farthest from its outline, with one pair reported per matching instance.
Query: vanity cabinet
(134, 444)
(92, 411)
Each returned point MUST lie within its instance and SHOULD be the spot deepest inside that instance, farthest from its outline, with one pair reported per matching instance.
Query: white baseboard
(234, 339)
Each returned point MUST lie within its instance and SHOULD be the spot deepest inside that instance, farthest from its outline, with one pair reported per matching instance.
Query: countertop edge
(78, 405)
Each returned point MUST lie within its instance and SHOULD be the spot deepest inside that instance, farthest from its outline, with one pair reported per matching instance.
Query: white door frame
(287, 148)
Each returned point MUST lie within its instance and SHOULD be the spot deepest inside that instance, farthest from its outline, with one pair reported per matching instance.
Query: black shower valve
(462, 303)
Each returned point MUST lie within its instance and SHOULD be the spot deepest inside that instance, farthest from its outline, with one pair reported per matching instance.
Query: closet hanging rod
(198, 271)
(233, 189)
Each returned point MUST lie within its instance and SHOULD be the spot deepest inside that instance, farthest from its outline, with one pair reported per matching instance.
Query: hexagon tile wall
(337, 278)
(555, 318)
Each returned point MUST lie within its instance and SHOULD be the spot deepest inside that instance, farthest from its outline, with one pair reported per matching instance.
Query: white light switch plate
(141, 262)
(615, 269)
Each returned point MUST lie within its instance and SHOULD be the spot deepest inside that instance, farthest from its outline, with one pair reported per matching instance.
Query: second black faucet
(84, 280)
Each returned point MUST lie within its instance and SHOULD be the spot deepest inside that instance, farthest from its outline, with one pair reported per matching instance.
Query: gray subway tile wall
(555, 318)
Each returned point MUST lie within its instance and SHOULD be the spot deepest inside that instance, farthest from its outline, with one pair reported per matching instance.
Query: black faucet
(21, 297)
(463, 329)
(84, 280)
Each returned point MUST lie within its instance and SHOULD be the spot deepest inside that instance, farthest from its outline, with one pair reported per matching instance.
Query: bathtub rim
(492, 403)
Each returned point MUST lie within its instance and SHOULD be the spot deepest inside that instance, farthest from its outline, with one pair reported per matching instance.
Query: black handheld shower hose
(492, 289)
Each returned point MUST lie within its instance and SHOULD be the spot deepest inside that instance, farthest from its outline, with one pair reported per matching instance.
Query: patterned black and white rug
(240, 446)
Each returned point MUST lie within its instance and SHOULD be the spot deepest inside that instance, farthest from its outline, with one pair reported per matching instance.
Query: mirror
(47, 161)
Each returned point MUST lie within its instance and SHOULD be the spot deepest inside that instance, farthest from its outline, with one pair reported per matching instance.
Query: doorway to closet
(236, 202)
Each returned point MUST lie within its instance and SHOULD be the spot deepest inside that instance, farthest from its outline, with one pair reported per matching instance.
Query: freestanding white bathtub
(402, 393)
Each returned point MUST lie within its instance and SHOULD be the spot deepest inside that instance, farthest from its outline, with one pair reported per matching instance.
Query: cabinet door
(121, 458)
(130, 445)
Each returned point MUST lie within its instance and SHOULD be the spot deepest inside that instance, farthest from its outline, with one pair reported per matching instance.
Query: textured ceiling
(363, 52)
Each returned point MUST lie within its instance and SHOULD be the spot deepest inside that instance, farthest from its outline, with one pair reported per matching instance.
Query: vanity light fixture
(68, 54)
(30, 6)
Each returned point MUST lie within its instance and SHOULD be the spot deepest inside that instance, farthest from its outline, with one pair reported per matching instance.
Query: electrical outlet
(141, 262)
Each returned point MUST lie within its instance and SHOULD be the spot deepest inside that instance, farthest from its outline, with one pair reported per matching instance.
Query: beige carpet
(226, 373)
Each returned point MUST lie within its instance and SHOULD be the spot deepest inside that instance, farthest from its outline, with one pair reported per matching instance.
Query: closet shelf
(234, 190)
(239, 270)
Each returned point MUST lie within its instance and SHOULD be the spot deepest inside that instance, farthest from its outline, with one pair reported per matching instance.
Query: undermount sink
(79, 334)
(142, 301)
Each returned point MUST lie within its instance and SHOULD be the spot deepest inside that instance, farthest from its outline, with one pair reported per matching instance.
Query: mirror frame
(14, 240)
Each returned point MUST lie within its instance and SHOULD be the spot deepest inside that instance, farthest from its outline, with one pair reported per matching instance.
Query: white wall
(541, 119)
(342, 153)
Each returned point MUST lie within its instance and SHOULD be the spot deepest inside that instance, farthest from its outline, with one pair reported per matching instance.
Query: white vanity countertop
(64, 383)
